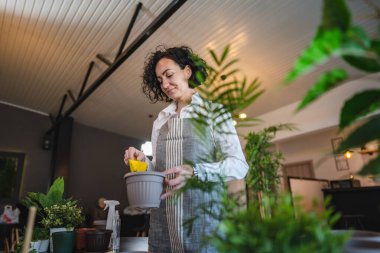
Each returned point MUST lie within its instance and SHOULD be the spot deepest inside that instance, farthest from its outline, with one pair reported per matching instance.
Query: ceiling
(46, 48)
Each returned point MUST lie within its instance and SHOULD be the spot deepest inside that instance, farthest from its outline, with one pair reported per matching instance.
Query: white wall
(316, 146)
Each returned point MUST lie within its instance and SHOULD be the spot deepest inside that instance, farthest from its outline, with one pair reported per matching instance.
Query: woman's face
(173, 80)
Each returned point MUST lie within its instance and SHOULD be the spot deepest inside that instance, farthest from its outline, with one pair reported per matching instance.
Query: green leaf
(357, 39)
(336, 14)
(361, 104)
(362, 135)
(214, 57)
(225, 53)
(371, 168)
(326, 82)
(362, 63)
(229, 64)
(325, 44)
(375, 46)
(56, 190)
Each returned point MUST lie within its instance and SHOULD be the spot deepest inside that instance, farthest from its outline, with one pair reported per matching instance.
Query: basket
(144, 188)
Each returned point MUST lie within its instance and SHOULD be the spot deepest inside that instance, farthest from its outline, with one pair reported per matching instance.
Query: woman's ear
(188, 71)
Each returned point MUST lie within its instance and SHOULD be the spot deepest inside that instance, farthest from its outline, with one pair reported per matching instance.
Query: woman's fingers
(176, 178)
(133, 154)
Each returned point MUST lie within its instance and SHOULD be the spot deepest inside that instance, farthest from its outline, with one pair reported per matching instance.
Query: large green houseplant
(263, 175)
(335, 37)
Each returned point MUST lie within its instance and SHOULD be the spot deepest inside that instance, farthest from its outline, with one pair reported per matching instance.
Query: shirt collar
(195, 99)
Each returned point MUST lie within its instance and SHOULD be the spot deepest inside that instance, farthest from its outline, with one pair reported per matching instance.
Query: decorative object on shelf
(10, 215)
(341, 161)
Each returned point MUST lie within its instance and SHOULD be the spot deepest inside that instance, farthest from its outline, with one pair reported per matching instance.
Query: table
(133, 245)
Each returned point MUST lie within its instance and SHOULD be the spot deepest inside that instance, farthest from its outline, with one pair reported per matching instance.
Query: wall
(96, 167)
(23, 131)
(317, 147)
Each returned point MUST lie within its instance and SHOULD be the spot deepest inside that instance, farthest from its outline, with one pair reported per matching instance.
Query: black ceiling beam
(156, 23)
(129, 30)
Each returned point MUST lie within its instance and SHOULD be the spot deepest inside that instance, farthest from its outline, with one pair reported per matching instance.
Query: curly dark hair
(183, 56)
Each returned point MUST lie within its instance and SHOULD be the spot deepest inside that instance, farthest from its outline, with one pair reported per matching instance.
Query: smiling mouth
(170, 91)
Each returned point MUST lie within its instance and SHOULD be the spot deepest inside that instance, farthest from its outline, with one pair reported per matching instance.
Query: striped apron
(177, 143)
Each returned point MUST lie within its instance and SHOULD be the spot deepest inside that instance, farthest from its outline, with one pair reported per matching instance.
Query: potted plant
(54, 211)
(263, 177)
(63, 216)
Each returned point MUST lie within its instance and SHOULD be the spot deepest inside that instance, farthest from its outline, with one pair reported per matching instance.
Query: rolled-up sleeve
(233, 164)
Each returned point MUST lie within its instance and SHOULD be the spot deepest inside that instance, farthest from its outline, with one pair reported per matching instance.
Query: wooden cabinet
(359, 207)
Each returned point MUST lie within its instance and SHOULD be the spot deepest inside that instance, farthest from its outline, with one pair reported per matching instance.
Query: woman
(169, 75)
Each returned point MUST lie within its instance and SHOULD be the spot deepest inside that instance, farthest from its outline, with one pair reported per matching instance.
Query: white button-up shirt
(233, 164)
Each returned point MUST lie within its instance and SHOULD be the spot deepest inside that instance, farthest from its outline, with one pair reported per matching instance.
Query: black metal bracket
(104, 59)
(71, 96)
(86, 78)
(128, 32)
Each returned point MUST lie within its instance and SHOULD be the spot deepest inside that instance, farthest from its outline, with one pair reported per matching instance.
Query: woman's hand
(176, 178)
(133, 154)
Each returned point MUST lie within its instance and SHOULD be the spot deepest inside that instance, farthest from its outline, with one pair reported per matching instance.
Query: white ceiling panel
(47, 46)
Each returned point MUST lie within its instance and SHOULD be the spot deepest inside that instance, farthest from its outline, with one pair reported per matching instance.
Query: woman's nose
(164, 84)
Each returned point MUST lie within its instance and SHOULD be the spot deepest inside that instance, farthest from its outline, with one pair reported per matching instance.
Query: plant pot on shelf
(63, 242)
(44, 246)
(35, 245)
(98, 240)
(80, 238)
(55, 230)
(144, 189)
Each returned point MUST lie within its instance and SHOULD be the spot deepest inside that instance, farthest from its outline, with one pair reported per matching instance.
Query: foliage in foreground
(247, 231)
(244, 229)
(338, 37)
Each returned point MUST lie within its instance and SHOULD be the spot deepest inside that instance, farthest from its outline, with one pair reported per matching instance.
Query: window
(11, 166)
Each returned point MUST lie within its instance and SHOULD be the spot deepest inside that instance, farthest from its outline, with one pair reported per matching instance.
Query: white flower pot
(44, 245)
(35, 245)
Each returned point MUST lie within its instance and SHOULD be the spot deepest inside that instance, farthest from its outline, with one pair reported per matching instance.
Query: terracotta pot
(80, 238)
